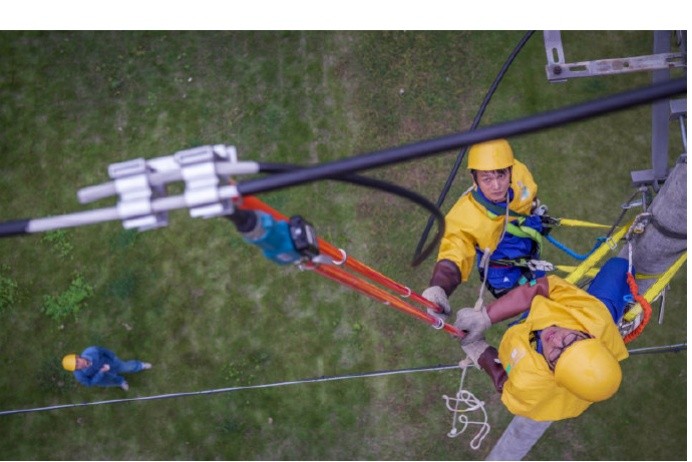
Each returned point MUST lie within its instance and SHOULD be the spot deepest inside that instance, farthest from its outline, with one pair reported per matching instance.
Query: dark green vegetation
(209, 311)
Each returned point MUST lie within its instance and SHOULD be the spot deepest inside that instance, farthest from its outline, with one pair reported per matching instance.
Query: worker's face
(556, 340)
(82, 363)
(494, 184)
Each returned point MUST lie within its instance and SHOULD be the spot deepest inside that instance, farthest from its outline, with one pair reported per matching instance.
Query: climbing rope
(323, 378)
(471, 404)
(462, 397)
(484, 264)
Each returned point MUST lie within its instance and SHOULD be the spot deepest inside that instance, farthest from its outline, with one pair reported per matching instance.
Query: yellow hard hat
(491, 155)
(69, 362)
(588, 370)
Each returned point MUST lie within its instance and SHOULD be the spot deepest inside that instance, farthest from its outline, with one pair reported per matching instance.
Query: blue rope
(571, 252)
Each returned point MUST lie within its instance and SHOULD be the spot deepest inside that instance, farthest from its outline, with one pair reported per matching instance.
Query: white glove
(475, 322)
(437, 295)
(475, 349)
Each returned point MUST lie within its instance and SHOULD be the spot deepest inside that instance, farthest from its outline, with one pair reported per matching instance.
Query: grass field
(210, 312)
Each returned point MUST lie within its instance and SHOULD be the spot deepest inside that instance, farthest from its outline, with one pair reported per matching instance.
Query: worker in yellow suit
(563, 353)
(493, 216)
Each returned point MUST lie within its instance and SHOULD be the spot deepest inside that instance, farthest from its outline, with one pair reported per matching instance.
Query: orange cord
(634, 289)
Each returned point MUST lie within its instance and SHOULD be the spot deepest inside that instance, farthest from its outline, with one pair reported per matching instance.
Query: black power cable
(360, 180)
(424, 148)
(530, 124)
(474, 125)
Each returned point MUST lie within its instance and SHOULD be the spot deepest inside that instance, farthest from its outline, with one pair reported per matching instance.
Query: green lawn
(210, 312)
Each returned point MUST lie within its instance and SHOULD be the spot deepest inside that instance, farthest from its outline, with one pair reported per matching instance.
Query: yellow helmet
(69, 362)
(588, 370)
(491, 155)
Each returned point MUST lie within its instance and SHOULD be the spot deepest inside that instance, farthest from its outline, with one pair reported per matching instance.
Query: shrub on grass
(69, 302)
(59, 243)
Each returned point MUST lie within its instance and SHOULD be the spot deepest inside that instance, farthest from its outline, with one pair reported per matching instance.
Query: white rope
(471, 404)
(659, 349)
(638, 226)
(485, 262)
(233, 389)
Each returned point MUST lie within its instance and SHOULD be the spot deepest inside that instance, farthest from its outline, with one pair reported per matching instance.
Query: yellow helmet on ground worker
(69, 362)
(588, 370)
(491, 155)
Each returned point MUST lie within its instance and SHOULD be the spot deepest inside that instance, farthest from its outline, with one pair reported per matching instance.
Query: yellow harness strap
(568, 269)
(582, 223)
(597, 255)
(657, 287)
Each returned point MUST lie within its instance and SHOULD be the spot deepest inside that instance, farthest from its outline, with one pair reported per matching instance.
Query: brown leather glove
(446, 274)
(494, 369)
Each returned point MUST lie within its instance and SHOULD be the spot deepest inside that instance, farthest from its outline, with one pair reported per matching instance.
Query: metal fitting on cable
(202, 180)
(131, 180)
(141, 185)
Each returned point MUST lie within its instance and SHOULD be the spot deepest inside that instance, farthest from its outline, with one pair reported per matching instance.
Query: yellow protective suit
(467, 225)
(531, 390)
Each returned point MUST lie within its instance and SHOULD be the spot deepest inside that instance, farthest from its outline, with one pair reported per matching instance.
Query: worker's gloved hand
(438, 296)
(473, 321)
(485, 357)
(475, 349)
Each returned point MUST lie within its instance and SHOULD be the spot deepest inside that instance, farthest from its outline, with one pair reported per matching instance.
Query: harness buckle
(540, 265)
(549, 221)
(611, 243)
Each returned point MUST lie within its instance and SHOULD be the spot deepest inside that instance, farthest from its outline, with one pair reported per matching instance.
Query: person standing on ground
(99, 367)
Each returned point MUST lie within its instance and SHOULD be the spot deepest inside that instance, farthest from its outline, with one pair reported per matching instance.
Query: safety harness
(518, 229)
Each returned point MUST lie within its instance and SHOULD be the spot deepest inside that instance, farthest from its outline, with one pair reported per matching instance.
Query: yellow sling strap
(592, 272)
(580, 223)
(657, 287)
(597, 255)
